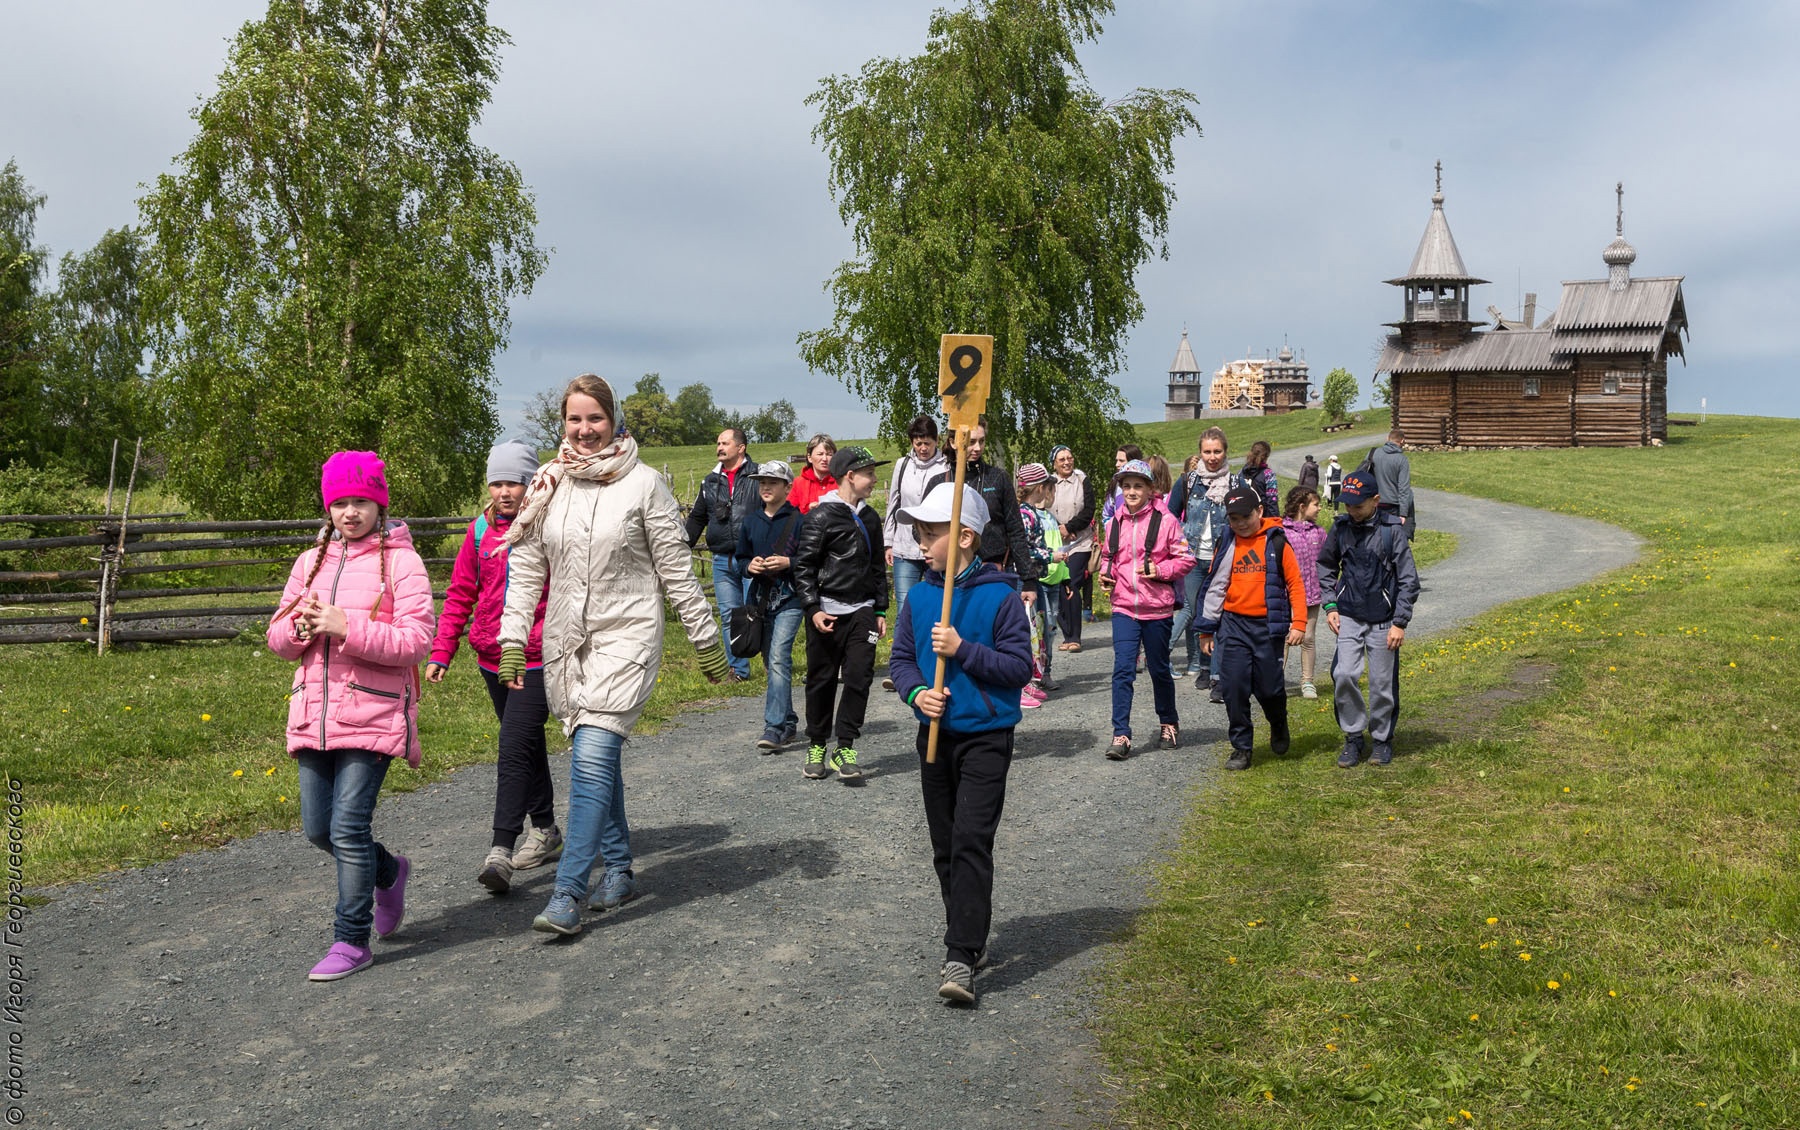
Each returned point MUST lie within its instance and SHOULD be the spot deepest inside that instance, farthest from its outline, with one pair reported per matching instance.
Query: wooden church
(1594, 373)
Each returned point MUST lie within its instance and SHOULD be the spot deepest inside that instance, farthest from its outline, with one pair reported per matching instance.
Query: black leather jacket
(720, 510)
(835, 559)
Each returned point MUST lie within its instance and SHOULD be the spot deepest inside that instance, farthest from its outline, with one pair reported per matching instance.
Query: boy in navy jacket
(987, 646)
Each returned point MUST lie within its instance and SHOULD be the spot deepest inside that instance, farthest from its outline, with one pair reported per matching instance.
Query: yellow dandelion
(237, 772)
(1474, 1016)
(1467, 1117)
(1331, 1047)
(128, 708)
(1354, 978)
(1269, 1096)
(1524, 957)
(1517, 942)
(1603, 1070)
(1229, 960)
(1553, 985)
(1612, 992)
(1631, 1086)
(1734, 664)
(269, 772)
(1565, 788)
(206, 718)
(83, 620)
(1493, 921)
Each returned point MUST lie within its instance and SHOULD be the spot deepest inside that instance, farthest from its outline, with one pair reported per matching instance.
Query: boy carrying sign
(987, 644)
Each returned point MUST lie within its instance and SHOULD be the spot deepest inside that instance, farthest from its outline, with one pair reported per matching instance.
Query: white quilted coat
(611, 551)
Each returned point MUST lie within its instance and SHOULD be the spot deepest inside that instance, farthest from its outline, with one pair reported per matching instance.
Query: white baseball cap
(936, 507)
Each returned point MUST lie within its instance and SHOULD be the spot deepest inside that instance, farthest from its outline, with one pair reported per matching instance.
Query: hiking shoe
(541, 846)
(1119, 750)
(771, 739)
(1171, 737)
(390, 902)
(844, 761)
(959, 983)
(562, 916)
(815, 766)
(1278, 741)
(1307, 690)
(1218, 693)
(788, 733)
(617, 887)
(1352, 751)
(496, 872)
(343, 959)
(1239, 759)
(1383, 753)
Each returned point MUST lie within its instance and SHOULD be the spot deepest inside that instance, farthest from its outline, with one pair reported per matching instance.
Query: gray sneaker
(1383, 753)
(1352, 751)
(496, 871)
(959, 983)
(541, 846)
(815, 767)
(617, 887)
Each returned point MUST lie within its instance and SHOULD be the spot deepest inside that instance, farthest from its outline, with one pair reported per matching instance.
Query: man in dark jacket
(1003, 542)
(728, 493)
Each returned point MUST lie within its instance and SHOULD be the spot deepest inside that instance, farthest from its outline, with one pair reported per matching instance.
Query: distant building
(1247, 387)
(1594, 373)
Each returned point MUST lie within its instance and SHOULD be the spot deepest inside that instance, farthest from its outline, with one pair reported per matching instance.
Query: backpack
(1112, 549)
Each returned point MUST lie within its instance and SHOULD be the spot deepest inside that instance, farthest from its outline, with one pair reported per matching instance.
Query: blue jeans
(1153, 636)
(1193, 592)
(778, 661)
(728, 590)
(596, 828)
(907, 573)
(337, 804)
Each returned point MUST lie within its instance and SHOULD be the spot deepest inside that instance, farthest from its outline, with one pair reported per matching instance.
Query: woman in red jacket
(815, 481)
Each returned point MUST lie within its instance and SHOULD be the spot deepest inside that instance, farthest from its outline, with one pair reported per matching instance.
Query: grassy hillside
(1571, 901)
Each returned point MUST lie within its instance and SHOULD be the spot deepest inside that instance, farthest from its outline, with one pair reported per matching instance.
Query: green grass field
(1572, 899)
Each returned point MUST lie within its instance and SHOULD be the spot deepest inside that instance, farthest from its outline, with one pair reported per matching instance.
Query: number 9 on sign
(964, 368)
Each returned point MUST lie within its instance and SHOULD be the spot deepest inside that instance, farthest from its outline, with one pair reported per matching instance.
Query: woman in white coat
(607, 531)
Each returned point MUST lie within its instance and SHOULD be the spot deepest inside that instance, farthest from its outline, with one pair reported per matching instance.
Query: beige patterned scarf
(603, 466)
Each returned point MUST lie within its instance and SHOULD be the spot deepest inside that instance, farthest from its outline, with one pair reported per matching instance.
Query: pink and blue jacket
(1134, 594)
(477, 596)
(361, 692)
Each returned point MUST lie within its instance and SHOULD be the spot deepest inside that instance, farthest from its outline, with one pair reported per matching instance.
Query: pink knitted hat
(354, 474)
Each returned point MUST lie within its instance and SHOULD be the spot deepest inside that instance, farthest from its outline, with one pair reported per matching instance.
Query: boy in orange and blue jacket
(1254, 605)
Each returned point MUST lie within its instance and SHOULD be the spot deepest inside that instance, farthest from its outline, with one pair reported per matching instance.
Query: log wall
(1493, 411)
(1423, 409)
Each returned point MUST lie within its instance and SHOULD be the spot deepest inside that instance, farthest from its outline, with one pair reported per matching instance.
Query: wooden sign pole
(964, 372)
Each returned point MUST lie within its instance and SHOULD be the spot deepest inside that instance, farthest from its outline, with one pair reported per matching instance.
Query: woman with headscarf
(1072, 503)
(607, 532)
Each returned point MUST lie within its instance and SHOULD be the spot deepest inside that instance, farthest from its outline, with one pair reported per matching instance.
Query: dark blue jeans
(1128, 637)
(337, 807)
(728, 591)
(1250, 664)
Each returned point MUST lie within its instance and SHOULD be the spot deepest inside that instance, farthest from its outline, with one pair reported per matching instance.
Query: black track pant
(1250, 664)
(523, 786)
(965, 791)
(845, 654)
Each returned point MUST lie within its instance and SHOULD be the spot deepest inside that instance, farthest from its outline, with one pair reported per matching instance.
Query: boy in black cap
(1255, 602)
(1368, 583)
(840, 576)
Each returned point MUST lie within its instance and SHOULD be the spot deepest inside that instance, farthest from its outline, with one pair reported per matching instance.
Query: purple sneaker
(390, 903)
(342, 960)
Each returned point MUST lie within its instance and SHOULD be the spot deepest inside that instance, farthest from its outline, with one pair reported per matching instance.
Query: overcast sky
(685, 201)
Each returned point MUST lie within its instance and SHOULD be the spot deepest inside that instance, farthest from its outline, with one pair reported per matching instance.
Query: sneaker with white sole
(617, 887)
(561, 916)
(1307, 690)
(844, 761)
(541, 846)
(341, 960)
(816, 767)
(497, 870)
(958, 983)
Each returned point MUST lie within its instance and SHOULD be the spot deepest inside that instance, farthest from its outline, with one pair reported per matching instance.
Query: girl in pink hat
(357, 615)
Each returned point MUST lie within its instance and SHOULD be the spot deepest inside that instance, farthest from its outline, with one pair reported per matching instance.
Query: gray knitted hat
(511, 462)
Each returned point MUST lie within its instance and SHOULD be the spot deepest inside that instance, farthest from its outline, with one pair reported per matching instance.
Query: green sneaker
(815, 766)
(844, 761)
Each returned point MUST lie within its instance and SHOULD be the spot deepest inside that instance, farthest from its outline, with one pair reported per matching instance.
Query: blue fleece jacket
(993, 663)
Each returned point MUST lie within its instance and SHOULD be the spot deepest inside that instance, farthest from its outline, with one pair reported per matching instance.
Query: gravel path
(779, 970)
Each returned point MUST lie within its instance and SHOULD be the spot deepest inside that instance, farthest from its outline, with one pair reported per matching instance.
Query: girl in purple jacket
(1300, 523)
(356, 613)
(476, 596)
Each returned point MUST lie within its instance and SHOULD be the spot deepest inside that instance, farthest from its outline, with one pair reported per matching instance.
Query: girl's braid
(318, 563)
(382, 591)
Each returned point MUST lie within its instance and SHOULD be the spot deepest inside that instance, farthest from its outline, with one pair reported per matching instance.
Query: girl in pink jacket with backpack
(1143, 558)
(357, 615)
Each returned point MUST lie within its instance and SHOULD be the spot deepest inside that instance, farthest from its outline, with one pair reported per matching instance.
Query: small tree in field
(989, 189)
(1339, 394)
(333, 258)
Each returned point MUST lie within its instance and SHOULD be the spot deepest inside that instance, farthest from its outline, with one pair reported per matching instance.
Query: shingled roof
(1437, 260)
(1645, 304)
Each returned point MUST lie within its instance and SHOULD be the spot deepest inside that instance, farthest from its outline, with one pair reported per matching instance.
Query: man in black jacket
(728, 493)
(1003, 542)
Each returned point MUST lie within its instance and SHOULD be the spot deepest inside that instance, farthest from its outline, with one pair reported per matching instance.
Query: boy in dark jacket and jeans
(987, 648)
(840, 576)
(1368, 584)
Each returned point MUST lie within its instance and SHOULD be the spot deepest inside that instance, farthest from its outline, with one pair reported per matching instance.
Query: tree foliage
(651, 414)
(93, 390)
(773, 423)
(989, 189)
(544, 419)
(333, 258)
(21, 269)
(1381, 392)
(1339, 393)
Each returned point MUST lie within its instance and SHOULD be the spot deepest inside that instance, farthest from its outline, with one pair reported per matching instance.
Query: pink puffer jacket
(476, 595)
(362, 692)
(1133, 594)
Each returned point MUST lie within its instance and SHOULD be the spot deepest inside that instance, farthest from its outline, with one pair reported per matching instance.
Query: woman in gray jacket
(607, 532)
